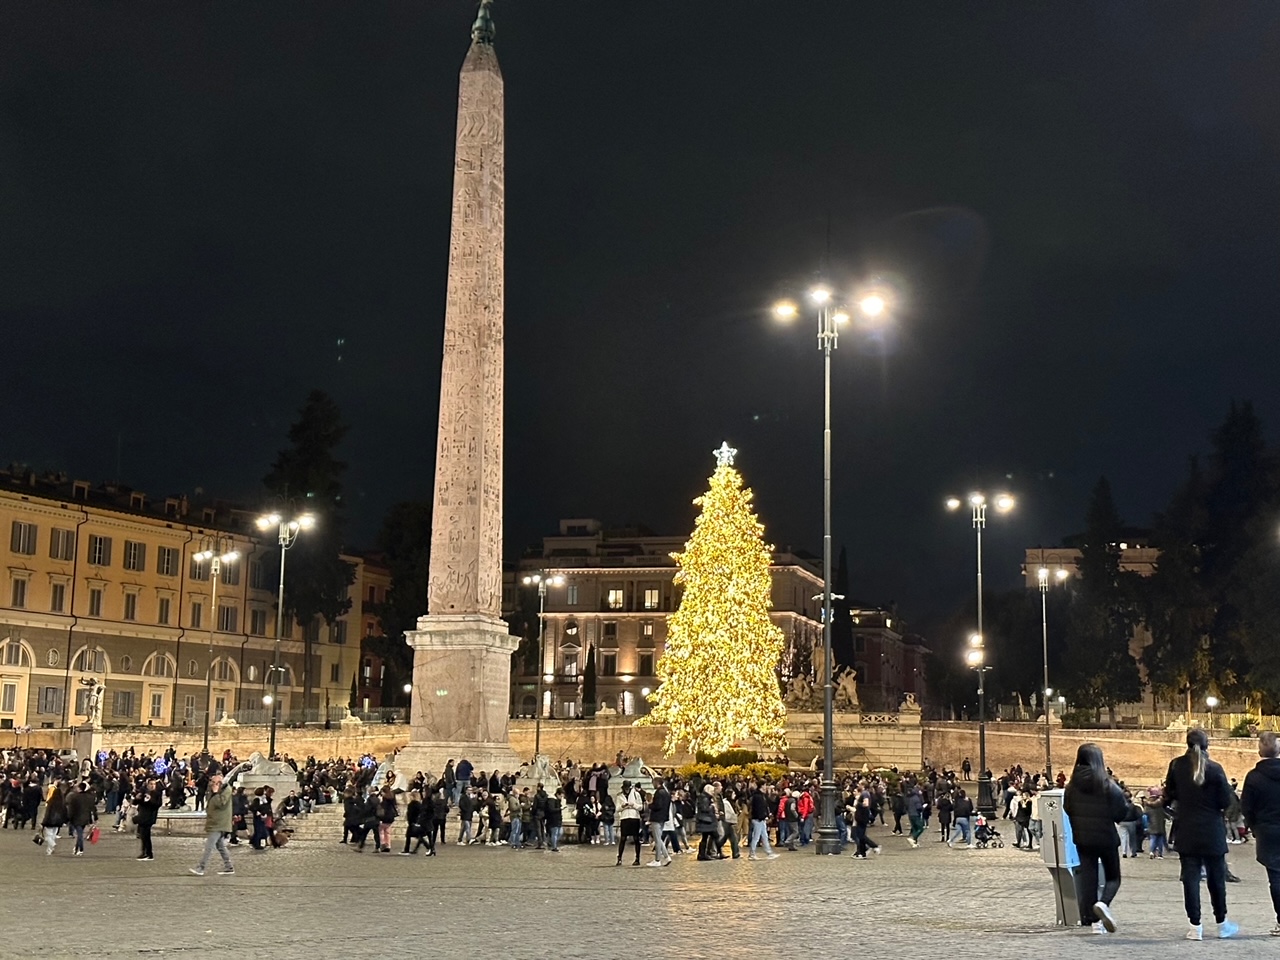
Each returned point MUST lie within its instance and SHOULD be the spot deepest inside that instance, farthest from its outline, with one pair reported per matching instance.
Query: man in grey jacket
(217, 821)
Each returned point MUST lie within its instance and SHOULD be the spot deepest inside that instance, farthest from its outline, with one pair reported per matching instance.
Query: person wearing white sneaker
(1094, 804)
(1260, 804)
(1197, 789)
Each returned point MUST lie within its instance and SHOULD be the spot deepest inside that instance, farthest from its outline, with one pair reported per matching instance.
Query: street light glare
(820, 294)
(1062, 573)
(977, 499)
(266, 700)
(1005, 502)
(306, 521)
(840, 316)
(785, 310)
(1042, 574)
(974, 657)
(1211, 702)
(975, 639)
(872, 305)
(953, 503)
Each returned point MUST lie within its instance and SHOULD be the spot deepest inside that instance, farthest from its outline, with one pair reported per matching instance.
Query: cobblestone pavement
(320, 898)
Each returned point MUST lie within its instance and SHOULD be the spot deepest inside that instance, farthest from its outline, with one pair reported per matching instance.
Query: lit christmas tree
(717, 680)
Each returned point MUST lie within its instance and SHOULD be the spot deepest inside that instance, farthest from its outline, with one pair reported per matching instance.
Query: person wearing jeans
(1197, 789)
(759, 824)
(659, 814)
(217, 821)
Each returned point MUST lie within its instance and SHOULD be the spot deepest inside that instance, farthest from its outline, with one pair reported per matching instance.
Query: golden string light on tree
(717, 675)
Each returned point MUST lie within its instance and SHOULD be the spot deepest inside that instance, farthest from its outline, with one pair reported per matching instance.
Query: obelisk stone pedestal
(461, 684)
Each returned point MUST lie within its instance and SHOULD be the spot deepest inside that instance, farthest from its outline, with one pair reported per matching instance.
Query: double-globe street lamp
(830, 317)
(286, 534)
(542, 579)
(1042, 578)
(215, 551)
(976, 655)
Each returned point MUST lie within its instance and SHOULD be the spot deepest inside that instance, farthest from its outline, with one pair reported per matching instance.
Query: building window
(135, 555)
(62, 544)
(313, 630)
(95, 601)
(52, 657)
(13, 655)
(334, 669)
(131, 606)
(651, 598)
(159, 666)
(162, 616)
(193, 668)
(645, 664)
(23, 538)
(570, 664)
(223, 671)
(646, 629)
(608, 664)
(571, 595)
(257, 575)
(167, 562)
(122, 703)
(367, 668)
(228, 619)
(57, 597)
(609, 630)
(19, 594)
(126, 663)
(258, 623)
(198, 569)
(157, 705)
(188, 708)
(82, 701)
(230, 574)
(99, 550)
(340, 631)
(370, 628)
(50, 700)
(615, 598)
(373, 595)
(9, 698)
(219, 706)
(197, 614)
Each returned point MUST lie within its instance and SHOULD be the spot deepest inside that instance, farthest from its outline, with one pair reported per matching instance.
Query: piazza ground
(319, 898)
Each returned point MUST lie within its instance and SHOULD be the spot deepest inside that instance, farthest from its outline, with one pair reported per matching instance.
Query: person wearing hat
(1197, 789)
(629, 805)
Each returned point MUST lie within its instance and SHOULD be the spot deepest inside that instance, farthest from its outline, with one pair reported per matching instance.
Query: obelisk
(462, 648)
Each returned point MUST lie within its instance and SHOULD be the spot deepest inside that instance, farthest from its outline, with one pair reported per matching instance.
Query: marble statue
(94, 705)
(846, 692)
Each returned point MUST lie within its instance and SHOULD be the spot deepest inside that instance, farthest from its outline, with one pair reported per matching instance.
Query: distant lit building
(890, 663)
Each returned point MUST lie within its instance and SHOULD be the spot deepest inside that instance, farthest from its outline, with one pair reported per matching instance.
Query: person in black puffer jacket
(1260, 804)
(1198, 791)
(1095, 804)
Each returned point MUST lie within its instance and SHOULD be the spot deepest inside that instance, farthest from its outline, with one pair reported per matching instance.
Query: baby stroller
(985, 835)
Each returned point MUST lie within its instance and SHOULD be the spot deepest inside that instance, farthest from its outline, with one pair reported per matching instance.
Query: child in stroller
(985, 835)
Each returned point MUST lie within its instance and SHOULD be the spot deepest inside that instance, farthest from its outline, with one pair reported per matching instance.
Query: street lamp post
(217, 551)
(830, 317)
(286, 534)
(1211, 702)
(1003, 504)
(408, 703)
(542, 579)
(1042, 577)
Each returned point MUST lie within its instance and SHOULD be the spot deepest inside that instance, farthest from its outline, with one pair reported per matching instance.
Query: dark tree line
(1206, 622)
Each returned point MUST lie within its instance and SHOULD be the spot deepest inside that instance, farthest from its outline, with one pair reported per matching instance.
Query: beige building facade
(104, 583)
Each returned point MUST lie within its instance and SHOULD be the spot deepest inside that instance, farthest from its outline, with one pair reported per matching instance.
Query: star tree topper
(725, 454)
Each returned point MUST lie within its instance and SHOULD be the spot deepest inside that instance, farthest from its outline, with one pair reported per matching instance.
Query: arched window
(90, 660)
(224, 671)
(14, 654)
(159, 665)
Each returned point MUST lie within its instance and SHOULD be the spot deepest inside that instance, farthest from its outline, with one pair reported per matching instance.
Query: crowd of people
(1197, 810)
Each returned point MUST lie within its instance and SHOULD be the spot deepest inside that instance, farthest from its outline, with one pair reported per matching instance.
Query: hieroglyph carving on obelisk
(462, 647)
(466, 531)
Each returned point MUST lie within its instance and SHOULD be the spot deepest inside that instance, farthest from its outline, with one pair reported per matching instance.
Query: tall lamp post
(216, 551)
(286, 534)
(1042, 577)
(542, 579)
(1210, 702)
(978, 502)
(830, 317)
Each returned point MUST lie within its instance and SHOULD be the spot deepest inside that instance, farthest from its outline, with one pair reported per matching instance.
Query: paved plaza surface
(320, 898)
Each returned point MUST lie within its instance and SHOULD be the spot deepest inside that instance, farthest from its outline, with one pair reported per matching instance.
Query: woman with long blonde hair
(1197, 790)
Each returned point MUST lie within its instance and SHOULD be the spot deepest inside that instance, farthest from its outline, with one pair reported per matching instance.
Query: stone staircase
(324, 823)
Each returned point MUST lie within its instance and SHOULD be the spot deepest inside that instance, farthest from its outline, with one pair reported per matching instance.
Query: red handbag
(95, 834)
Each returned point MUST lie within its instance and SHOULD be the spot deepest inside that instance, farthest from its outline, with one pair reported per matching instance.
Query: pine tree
(717, 677)
(589, 684)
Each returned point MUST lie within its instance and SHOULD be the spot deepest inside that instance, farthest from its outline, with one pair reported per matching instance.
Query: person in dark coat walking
(146, 804)
(1197, 789)
(1260, 803)
(82, 810)
(1094, 803)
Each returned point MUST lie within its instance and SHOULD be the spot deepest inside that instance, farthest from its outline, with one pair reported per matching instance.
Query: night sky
(208, 210)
